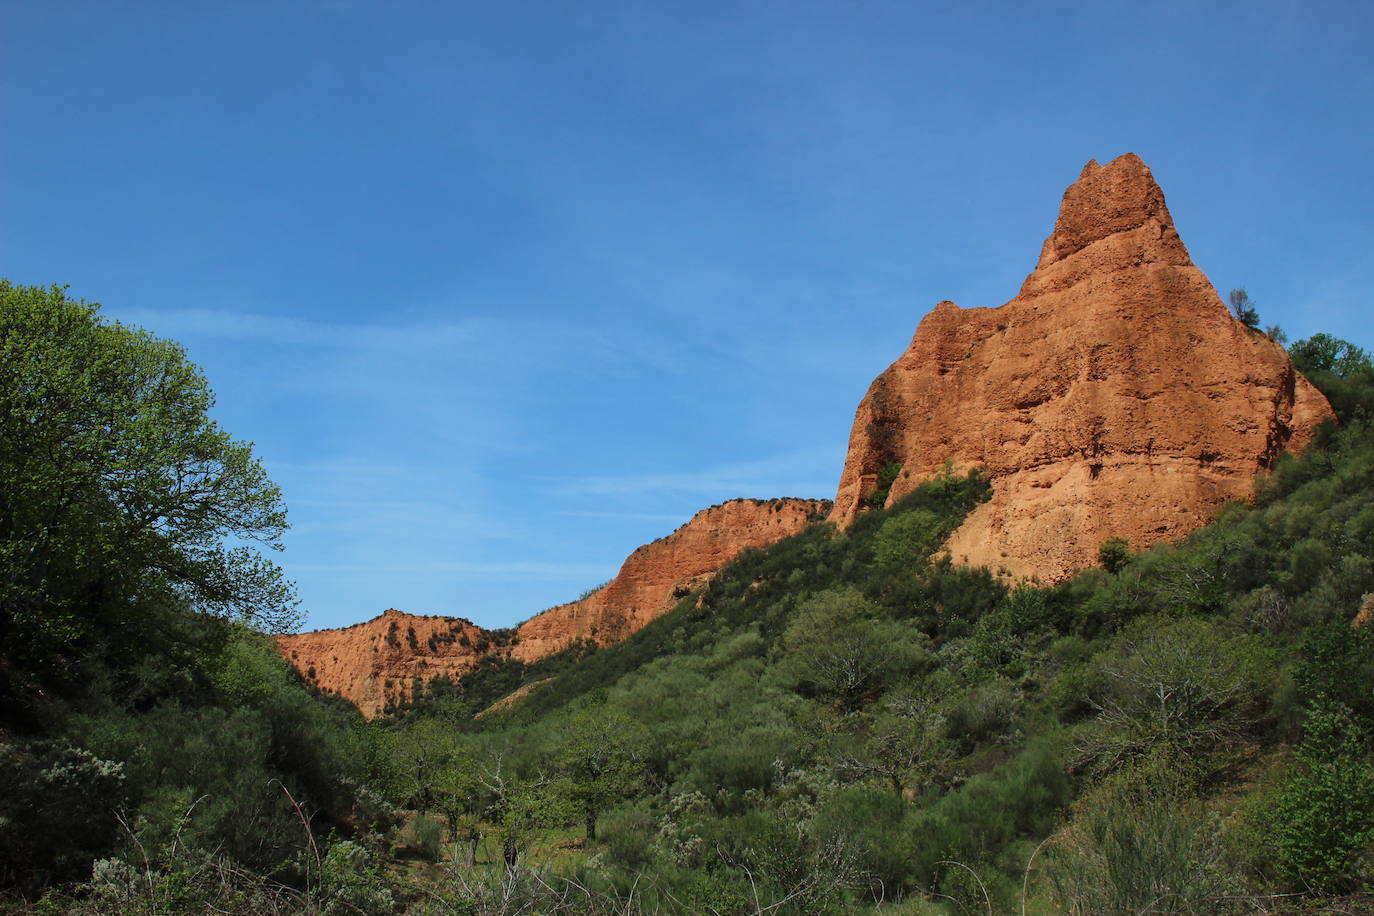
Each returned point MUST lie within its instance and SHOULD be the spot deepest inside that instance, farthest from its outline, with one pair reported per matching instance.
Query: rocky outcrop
(378, 662)
(656, 576)
(1115, 396)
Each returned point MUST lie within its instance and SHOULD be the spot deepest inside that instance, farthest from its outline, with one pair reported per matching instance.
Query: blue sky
(502, 291)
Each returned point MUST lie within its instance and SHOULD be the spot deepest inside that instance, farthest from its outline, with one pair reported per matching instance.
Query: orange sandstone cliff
(656, 576)
(376, 662)
(1115, 396)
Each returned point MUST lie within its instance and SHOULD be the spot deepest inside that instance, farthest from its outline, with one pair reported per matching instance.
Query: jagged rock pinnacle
(1115, 396)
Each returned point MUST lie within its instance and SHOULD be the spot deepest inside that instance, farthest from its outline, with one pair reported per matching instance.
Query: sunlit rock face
(656, 576)
(1115, 396)
(378, 662)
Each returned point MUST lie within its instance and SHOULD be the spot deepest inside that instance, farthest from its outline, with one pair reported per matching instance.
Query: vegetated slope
(140, 716)
(1115, 396)
(377, 663)
(656, 576)
(844, 715)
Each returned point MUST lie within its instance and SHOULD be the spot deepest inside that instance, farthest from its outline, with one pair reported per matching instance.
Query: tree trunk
(511, 852)
(591, 826)
(472, 848)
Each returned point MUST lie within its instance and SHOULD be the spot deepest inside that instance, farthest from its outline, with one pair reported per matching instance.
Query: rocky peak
(1105, 200)
(1115, 396)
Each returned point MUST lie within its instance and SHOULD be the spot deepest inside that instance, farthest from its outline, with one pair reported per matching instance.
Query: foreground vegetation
(842, 722)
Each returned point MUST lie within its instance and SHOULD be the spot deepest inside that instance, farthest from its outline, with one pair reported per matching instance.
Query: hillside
(378, 663)
(842, 720)
(1083, 400)
(764, 713)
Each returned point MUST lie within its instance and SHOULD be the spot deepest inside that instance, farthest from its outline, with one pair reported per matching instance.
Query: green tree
(843, 650)
(1325, 353)
(424, 751)
(603, 755)
(887, 476)
(902, 743)
(118, 494)
(519, 805)
(1114, 554)
(906, 541)
(1323, 821)
(1181, 688)
(1243, 307)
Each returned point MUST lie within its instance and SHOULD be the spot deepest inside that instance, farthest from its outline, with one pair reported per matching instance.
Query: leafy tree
(887, 476)
(841, 651)
(906, 541)
(902, 743)
(117, 490)
(1343, 372)
(520, 805)
(424, 752)
(457, 793)
(1323, 821)
(1325, 353)
(1243, 307)
(1172, 687)
(1114, 554)
(603, 755)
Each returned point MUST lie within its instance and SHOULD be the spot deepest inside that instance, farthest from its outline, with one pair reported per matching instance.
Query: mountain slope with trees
(844, 721)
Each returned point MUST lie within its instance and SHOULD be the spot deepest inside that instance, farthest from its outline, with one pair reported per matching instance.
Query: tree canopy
(118, 493)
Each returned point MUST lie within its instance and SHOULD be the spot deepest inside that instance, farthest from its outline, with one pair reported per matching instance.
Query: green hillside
(844, 722)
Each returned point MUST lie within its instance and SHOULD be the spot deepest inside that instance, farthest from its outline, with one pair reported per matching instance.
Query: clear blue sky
(502, 291)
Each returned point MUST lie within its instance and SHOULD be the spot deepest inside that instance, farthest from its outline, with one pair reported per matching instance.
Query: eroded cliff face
(379, 660)
(376, 662)
(656, 576)
(1115, 396)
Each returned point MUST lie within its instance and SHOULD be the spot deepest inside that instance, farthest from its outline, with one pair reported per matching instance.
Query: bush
(1323, 820)
(351, 880)
(628, 832)
(1133, 851)
(1181, 687)
(57, 811)
(1114, 554)
(425, 836)
(866, 821)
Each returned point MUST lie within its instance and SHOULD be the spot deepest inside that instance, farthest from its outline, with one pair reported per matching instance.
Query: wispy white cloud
(255, 327)
(632, 516)
(798, 473)
(461, 570)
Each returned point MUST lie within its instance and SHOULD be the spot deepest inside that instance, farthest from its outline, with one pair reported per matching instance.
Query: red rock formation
(656, 576)
(1115, 396)
(378, 661)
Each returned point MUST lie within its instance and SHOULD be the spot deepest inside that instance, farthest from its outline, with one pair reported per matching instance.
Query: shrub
(351, 880)
(57, 810)
(1323, 820)
(425, 836)
(1133, 851)
(1114, 554)
(887, 476)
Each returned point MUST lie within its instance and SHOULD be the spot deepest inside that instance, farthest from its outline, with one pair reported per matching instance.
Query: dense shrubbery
(842, 720)
(903, 714)
(139, 713)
